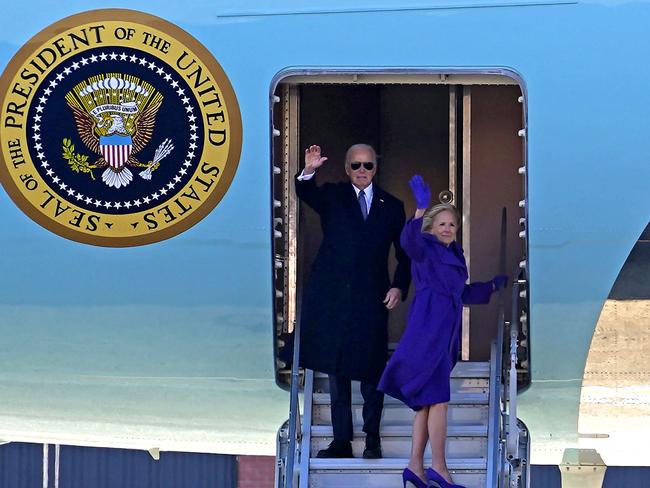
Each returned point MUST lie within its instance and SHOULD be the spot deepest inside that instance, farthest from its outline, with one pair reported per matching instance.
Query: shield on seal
(116, 149)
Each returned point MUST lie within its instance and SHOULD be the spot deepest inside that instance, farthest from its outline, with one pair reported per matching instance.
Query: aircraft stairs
(467, 442)
(468, 449)
(480, 450)
(487, 445)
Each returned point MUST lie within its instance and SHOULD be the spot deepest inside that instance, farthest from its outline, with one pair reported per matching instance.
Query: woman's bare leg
(437, 426)
(418, 442)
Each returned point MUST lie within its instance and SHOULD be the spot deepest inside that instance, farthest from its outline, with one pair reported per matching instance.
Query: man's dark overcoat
(343, 317)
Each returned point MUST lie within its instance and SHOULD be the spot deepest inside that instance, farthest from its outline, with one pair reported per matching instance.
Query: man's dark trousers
(341, 398)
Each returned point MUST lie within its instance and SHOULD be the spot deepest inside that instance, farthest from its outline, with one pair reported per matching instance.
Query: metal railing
(292, 469)
(509, 441)
(495, 446)
(510, 362)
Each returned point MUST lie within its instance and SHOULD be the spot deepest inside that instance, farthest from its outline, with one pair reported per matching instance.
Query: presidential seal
(118, 129)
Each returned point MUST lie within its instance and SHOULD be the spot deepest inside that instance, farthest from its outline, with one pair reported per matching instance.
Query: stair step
(466, 445)
(471, 369)
(469, 441)
(385, 479)
(472, 398)
(463, 369)
(405, 431)
(398, 414)
(457, 385)
(388, 464)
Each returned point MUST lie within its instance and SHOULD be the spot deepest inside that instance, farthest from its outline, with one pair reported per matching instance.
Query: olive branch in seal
(77, 162)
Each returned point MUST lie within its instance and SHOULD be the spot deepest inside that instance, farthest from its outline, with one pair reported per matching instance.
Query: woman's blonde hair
(430, 215)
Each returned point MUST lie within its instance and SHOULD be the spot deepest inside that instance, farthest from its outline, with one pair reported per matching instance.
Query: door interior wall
(496, 154)
(409, 127)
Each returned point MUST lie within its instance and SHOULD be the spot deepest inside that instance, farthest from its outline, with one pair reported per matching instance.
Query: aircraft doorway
(460, 134)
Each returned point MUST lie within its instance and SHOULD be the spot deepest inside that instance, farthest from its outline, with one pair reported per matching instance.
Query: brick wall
(256, 472)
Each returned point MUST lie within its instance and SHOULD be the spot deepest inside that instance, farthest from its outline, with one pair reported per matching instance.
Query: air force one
(154, 251)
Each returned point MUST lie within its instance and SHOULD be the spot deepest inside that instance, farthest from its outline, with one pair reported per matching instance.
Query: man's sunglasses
(369, 166)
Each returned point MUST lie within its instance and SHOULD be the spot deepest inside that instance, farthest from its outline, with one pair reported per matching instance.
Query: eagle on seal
(110, 139)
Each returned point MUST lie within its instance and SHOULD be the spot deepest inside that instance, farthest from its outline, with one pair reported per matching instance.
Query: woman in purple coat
(419, 370)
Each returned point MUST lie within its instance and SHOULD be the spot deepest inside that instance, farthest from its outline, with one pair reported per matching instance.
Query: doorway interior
(462, 133)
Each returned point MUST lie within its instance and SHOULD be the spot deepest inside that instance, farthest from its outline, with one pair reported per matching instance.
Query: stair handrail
(496, 453)
(293, 451)
(504, 456)
(512, 439)
(504, 446)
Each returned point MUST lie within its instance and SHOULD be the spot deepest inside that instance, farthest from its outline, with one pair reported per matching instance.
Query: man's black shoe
(336, 450)
(372, 453)
(373, 448)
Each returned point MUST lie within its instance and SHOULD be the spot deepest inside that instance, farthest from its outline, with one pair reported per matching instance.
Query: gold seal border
(220, 78)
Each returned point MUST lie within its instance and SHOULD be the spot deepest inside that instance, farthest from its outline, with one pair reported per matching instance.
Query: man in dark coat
(346, 301)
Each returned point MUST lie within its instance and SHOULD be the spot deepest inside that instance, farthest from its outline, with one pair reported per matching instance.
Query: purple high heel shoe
(411, 477)
(437, 481)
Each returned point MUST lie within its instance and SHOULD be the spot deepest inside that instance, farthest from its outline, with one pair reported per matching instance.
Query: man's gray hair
(366, 147)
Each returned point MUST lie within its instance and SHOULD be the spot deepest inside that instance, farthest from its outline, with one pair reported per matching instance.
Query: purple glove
(499, 282)
(421, 191)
